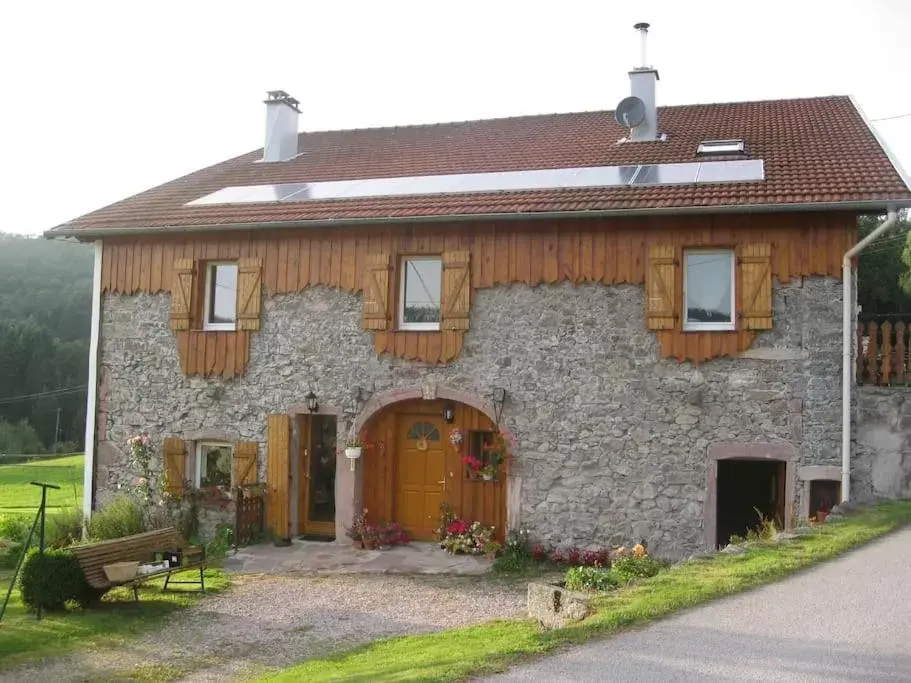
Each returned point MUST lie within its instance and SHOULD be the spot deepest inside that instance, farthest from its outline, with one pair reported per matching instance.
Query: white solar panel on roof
(508, 181)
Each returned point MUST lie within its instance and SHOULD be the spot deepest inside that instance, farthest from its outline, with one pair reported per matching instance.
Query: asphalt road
(847, 620)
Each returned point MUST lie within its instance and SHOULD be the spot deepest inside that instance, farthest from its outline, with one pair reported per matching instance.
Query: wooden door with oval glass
(420, 476)
(316, 491)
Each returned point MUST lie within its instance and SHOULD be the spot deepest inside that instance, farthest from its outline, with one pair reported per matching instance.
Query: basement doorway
(746, 490)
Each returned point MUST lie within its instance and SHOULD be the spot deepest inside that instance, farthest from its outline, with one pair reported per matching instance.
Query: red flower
(458, 527)
(472, 462)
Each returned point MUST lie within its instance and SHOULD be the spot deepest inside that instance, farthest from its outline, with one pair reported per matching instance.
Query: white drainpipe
(847, 361)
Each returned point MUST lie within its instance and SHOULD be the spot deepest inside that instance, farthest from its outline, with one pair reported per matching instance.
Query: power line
(41, 394)
(890, 118)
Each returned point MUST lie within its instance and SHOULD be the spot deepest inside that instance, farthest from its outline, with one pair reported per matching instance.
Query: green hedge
(54, 580)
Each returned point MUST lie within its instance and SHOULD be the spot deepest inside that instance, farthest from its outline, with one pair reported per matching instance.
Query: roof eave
(863, 206)
(893, 159)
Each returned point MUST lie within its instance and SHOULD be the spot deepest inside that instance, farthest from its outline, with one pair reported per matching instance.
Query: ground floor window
(213, 464)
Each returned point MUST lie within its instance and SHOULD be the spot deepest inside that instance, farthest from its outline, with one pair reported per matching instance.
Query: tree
(884, 270)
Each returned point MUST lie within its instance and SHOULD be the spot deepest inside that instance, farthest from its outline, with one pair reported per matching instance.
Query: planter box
(554, 607)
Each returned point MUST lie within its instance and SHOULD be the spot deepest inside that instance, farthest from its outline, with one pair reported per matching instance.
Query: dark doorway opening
(824, 494)
(746, 490)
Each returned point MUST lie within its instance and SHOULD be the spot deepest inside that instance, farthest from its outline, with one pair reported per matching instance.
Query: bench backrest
(139, 547)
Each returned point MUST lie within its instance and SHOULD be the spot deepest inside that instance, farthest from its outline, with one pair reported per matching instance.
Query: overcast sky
(99, 101)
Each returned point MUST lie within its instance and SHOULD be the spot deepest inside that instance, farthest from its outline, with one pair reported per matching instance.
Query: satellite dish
(630, 112)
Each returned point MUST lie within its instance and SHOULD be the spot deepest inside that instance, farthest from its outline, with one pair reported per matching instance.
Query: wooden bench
(93, 557)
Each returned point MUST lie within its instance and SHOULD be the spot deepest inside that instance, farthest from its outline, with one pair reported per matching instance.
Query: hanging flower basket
(353, 452)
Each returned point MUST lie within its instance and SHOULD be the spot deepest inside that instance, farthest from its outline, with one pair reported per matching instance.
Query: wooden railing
(251, 515)
(883, 353)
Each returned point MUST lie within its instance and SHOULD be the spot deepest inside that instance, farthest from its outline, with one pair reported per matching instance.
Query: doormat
(314, 537)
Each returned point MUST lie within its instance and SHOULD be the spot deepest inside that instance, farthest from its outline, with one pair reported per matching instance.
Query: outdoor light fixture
(448, 413)
(312, 404)
(499, 398)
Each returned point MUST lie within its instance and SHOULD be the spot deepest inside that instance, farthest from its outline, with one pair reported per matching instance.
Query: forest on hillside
(45, 318)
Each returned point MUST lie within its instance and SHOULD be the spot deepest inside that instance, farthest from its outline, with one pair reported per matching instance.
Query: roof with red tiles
(819, 153)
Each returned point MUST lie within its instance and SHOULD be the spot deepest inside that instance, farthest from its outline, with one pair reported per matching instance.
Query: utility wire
(41, 394)
(890, 118)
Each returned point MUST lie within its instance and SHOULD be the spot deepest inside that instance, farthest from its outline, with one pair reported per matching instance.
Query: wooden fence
(250, 505)
(883, 353)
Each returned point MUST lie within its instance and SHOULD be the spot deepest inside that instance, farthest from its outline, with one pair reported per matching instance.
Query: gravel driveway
(278, 620)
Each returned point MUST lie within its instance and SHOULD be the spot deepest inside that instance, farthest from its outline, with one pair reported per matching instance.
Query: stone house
(648, 300)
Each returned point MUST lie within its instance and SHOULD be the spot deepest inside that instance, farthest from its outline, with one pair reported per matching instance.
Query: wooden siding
(213, 354)
(472, 500)
(607, 251)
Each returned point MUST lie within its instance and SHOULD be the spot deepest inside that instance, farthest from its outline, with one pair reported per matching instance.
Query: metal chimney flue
(282, 114)
(642, 27)
(643, 81)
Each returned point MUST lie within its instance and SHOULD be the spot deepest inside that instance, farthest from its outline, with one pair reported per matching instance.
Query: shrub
(590, 579)
(9, 553)
(218, 547)
(15, 528)
(120, 517)
(63, 528)
(630, 568)
(54, 581)
(516, 555)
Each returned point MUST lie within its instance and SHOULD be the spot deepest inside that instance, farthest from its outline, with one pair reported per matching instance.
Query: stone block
(554, 606)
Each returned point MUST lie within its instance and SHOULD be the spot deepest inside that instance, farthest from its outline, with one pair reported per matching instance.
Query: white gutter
(847, 361)
(91, 408)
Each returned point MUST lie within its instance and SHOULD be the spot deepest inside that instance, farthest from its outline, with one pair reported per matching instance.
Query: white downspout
(91, 406)
(847, 361)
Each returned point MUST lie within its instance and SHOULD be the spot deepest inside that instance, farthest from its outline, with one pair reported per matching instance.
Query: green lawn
(458, 654)
(24, 639)
(18, 496)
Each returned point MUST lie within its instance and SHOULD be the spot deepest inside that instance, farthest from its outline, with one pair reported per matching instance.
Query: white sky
(99, 101)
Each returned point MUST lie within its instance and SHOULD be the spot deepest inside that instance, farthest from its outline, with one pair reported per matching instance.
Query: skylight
(508, 181)
(710, 147)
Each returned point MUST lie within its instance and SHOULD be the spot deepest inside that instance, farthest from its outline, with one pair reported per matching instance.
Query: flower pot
(821, 516)
(353, 452)
(358, 544)
(487, 477)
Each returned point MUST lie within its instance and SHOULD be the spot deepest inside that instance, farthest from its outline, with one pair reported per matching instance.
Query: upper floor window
(221, 296)
(708, 290)
(421, 279)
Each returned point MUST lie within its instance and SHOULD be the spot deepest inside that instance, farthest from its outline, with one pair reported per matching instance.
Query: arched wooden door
(406, 480)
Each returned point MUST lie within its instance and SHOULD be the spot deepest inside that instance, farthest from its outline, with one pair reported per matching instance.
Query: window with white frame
(221, 296)
(421, 283)
(708, 290)
(213, 464)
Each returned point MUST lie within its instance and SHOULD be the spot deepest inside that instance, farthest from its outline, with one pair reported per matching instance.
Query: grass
(24, 639)
(18, 496)
(457, 654)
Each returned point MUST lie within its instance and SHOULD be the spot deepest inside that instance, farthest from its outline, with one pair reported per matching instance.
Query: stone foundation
(612, 441)
(882, 458)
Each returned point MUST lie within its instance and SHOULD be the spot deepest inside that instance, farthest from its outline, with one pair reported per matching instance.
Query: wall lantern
(312, 404)
(499, 398)
(448, 413)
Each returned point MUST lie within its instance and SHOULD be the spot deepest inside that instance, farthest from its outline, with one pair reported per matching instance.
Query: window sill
(220, 327)
(709, 328)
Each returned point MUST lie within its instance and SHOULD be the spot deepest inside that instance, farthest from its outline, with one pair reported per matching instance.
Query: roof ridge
(542, 115)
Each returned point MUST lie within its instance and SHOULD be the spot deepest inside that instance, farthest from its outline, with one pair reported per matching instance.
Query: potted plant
(473, 464)
(354, 446)
(357, 529)
(495, 454)
(823, 511)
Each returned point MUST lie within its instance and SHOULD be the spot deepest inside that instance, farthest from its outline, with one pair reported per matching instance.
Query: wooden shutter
(249, 292)
(175, 464)
(376, 292)
(661, 285)
(755, 264)
(456, 290)
(278, 475)
(245, 470)
(182, 293)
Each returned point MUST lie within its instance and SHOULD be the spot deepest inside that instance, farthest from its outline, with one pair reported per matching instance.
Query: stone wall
(882, 457)
(612, 441)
